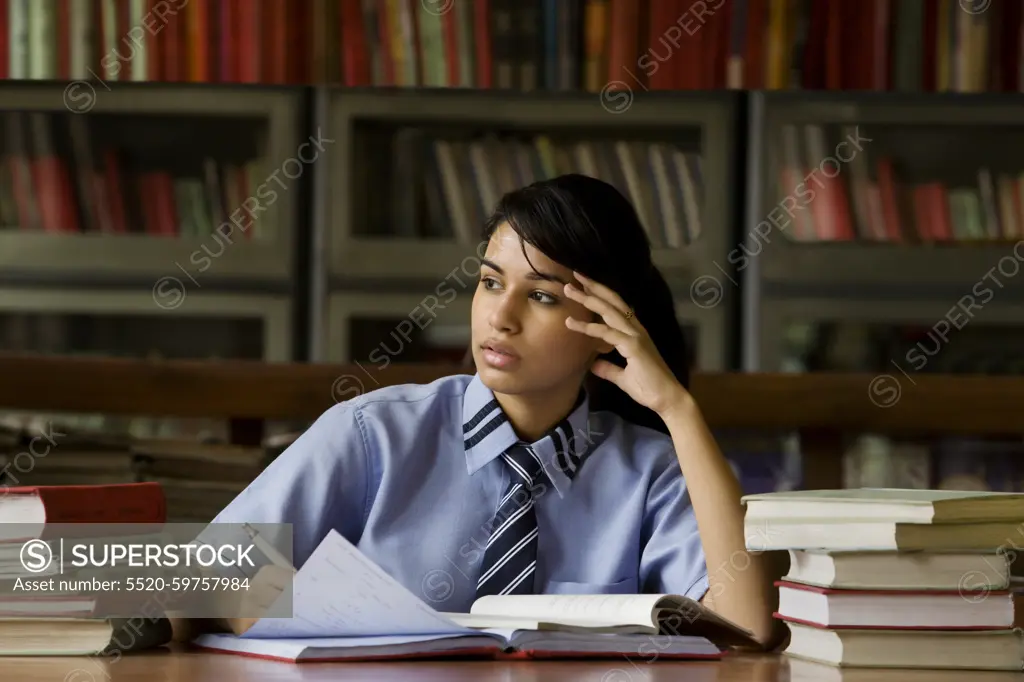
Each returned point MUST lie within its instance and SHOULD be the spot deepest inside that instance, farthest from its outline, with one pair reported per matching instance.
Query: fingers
(600, 331)
(275, 576)
(606, 303)
(608, 371)
(240, 625)
(609, 313)
(265, 589)
(600, 290)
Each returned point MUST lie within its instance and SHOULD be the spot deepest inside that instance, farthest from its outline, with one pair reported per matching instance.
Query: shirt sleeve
(317, 484)
(671, 556)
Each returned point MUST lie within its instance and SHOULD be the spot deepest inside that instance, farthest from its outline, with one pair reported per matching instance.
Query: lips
(500, 348)
(499, 356)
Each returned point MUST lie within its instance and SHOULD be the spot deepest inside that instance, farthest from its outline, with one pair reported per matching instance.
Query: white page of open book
(339, 592)
(600, 609)
(484, 621)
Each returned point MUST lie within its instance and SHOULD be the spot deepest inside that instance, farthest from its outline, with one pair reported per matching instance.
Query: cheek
(478, 311)
(564, 342)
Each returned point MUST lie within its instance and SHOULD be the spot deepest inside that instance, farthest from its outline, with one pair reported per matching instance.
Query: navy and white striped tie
(510, 558)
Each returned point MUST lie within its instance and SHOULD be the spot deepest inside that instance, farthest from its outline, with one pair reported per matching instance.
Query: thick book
(343, 606)
(971, 573)
(892, 610)
(891, 505)
(939, 649)
(63, 636)
(30, 509)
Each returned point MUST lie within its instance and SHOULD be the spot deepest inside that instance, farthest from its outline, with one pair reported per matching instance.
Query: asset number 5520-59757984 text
(185, 584)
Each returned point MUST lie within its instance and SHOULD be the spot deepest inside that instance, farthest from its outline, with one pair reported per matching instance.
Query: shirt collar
(487, 433)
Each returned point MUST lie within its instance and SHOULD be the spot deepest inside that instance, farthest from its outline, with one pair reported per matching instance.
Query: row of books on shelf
(594, 45)
(868, 197)
(930, 45)
(893, 578)
(908, 45)
(461, 181)
(104, 189)
(226, 41)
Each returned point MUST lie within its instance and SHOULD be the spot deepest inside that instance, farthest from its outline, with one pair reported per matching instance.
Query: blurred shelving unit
(403, 203)
(884, 234)
(149, 202)
(914, 213)
(150, 176)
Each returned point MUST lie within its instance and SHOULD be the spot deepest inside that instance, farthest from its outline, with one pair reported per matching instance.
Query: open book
(346, 607)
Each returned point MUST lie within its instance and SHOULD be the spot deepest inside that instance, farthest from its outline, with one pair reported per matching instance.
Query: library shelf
(225, 141)
(697, 122)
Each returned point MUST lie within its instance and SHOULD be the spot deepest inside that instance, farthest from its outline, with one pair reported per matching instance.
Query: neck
(532, 415)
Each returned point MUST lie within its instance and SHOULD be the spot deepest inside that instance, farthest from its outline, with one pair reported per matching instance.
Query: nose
(504, 316)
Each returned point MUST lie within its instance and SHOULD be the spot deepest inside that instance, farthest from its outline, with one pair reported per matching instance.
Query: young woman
(573, 461)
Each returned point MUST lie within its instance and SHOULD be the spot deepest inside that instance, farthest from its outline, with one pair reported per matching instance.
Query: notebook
(345, 607)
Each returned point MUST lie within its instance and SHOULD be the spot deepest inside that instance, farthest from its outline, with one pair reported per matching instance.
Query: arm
(738, 581)
(742, 596)
(318, 483)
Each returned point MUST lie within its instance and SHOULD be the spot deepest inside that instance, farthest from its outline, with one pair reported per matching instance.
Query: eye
(544, 297)
(486, 282)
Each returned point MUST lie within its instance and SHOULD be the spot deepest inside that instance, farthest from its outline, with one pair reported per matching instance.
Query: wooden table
(181, 664)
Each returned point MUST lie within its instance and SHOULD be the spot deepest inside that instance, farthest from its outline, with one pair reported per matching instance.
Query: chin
(501, 381)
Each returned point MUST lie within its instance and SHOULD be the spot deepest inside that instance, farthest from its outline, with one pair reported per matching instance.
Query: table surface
(181, 663)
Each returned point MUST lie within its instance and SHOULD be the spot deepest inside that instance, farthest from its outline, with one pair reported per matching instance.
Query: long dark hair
(588, 225)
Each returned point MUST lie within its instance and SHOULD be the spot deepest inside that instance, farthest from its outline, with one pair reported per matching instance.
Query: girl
(573, 461)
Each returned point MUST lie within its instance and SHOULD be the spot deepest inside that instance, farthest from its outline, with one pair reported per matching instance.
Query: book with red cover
(44, 506)
(520, 645)
(961, 609)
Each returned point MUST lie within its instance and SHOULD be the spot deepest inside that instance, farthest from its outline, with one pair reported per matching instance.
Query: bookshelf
(408, 218)
(142, 180)
(374, 330)
(923, 201)
(126, 323)
(893, 337)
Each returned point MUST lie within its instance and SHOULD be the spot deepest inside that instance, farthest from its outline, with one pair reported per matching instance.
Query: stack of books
(47, 606)
(896, 578)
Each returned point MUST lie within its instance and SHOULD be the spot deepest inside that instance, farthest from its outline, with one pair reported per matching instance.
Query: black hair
(588, 225)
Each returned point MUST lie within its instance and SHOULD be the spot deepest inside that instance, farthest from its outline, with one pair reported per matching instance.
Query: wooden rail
(821, 406)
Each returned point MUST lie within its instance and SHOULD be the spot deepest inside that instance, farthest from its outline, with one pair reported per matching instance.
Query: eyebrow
(542, 276)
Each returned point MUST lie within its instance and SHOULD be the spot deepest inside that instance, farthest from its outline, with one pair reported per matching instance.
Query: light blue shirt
(411, 475)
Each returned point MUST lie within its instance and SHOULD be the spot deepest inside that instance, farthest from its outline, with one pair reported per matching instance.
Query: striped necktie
(510, 558)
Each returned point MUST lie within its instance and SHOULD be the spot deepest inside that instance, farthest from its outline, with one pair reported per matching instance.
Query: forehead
(506, 251)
